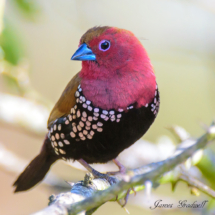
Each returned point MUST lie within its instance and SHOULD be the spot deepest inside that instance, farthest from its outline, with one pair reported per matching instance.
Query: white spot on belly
(84, 114)
(96, 110)
(56, 152)
(119, 115)
(57, 136)
(96, 114)
(78, 113)
(60, 144)
(62, 151)
(81, 124)
(100, 129)
(87, 127)
(72, 110)
(74, 129)
(70, 117)
(88, 123)
(85, 132)
(83, 119)
(79, 128)
(89, 136)
(95, 118)
(90, 108)
(88, 102)
(77, 94)
(80, 134)
(102, 116)
(90, 118)
(100, 124)
(62, 135)
(112, 112)
(66, 142)
(72, 134)
(105, 112)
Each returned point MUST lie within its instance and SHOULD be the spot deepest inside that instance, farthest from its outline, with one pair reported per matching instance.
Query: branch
(22, 112)
(84, 198)
(191, 181)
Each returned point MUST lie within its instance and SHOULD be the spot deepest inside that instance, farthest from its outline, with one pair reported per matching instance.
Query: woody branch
(88, 195)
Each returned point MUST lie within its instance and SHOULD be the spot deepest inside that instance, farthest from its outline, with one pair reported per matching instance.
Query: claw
(126, 197)
(134, 191)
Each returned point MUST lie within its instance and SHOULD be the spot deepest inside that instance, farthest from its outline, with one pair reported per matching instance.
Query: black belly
(107, 140)
(115, 137)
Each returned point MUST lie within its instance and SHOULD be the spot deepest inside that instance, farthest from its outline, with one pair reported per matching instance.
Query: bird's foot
(110, 179)
(123, 204)
(96, 174)
(122, 169)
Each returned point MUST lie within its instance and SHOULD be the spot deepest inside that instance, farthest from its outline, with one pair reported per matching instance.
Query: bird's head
(110, 51)
(116, 70)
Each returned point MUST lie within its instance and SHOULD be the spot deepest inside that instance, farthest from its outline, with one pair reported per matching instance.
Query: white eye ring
(104, 45)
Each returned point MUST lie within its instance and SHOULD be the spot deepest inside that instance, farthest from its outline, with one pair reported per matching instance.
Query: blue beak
(83, 53)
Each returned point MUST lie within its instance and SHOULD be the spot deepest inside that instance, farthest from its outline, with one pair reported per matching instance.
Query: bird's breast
(96, 134)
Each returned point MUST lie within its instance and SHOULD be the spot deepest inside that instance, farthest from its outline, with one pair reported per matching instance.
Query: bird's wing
(66, 101)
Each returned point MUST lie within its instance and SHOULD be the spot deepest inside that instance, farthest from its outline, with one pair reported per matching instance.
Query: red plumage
(125, 71)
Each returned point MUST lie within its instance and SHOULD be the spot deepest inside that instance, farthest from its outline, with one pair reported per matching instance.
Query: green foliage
(11, 82)
(11, 44)
(207, 166)
(28, 8)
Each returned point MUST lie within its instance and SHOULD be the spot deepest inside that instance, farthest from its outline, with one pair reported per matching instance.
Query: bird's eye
(104, 45)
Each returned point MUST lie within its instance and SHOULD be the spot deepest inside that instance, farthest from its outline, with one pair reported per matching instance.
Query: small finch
(104, 109)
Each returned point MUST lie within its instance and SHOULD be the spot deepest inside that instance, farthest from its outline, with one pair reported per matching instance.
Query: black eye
(104, 45)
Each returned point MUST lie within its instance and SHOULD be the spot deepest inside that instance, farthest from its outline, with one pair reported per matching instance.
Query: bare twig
(23, 112)
(191, 181)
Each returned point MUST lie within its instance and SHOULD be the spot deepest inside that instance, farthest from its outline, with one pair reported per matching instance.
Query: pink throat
(120, 91)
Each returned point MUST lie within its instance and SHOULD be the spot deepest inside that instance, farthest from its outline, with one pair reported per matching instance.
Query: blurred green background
(37, 40)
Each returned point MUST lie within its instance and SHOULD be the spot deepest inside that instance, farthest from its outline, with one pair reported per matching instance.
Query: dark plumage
(101, 111)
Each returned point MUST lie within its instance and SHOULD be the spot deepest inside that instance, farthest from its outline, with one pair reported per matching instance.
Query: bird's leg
(97, 174)
(110, 179)
(122, 169)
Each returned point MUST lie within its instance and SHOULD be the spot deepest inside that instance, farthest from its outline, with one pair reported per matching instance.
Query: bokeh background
(37, 39)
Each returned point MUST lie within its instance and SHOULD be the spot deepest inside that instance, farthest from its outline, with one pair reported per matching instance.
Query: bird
(105, 107)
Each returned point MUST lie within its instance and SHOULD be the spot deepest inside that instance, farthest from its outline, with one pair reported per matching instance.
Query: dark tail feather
(37, 169)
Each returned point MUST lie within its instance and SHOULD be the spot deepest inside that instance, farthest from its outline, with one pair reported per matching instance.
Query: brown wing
(66, 101)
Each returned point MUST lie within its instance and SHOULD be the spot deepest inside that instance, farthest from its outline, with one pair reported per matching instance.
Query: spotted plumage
(79, 130)
(105, 107)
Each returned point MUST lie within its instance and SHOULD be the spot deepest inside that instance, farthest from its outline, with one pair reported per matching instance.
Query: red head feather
(120, 76)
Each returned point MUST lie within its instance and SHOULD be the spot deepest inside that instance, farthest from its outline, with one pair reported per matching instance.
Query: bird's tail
(37, 168)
